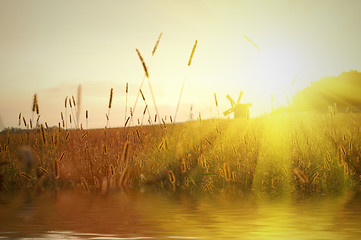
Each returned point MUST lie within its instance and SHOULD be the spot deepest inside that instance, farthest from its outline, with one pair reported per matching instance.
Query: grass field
(292, 154)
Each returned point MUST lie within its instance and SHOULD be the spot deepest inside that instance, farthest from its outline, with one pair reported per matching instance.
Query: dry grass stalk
(61, 156)
(37, 121)
(104, 187)
(300, 174)
(19, 119)
(84, 135)
(24, 121)
(252, 42)
(126, 122)
(142, 82)
(126, 101)
(35, 105)
(66, 111)
(215, 99)
(171, 176)
(184, 80)
(123, 177)
(67, 136)
(40, 171)
(86, 118)
(227, 172)
(35, 100)
(74, 104)
(147, 75)
(140, 90)
(193, 50)
(156, 44)
(56, 169)
(110, 98)
(78, 109)
(43, 133)
(143, 63)
(124, 158)
(96, 182)
(25, 175)
(109, 106)
(144, 111)
(84, 184)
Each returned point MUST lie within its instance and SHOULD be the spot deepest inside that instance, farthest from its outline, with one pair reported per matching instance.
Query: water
(68, 215)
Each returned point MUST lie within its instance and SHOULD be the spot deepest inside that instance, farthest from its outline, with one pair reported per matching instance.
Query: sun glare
(278, 69)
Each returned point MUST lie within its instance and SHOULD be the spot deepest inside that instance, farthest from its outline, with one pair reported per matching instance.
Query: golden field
(296, 154)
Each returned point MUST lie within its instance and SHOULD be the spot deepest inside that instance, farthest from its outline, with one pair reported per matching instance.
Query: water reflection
(66, 215)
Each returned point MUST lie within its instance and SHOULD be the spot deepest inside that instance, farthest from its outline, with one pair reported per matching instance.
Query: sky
(51, 47)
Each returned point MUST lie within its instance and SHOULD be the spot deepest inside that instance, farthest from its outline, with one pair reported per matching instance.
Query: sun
(278, 69)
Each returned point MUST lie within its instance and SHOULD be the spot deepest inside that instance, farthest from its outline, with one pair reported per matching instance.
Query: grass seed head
(193, 50)
(110, 98)
(143, 63)
(156, 44)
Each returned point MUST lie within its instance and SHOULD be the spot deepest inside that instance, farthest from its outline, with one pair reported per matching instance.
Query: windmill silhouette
(239, 110)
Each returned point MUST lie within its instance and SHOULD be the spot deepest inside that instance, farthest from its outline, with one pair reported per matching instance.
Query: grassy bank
(299, 154)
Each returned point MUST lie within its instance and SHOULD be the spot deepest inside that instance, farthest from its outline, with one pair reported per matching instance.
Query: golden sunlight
(180, 120)
(279, 68)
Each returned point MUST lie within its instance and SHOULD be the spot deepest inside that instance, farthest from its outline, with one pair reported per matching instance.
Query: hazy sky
(50, 47)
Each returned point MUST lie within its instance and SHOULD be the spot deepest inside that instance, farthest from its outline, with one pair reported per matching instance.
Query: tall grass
(298, 155)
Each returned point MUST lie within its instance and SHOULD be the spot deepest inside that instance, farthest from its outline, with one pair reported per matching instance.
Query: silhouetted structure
(239, 110)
